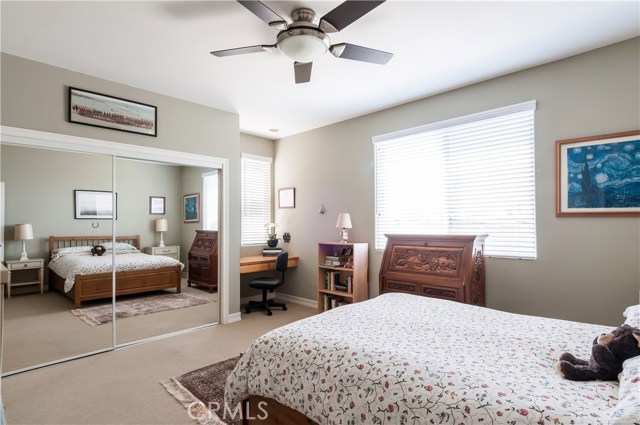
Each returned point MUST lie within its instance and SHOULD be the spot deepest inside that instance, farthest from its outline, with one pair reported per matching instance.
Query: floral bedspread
(404, 359)
(71, 265)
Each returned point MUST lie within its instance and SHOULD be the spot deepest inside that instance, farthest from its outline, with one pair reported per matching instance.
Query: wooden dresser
(440, 266)
(203, 260)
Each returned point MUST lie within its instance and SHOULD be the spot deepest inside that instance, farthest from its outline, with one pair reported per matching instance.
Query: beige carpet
(38, 328)
(139, 306)
(121, 387)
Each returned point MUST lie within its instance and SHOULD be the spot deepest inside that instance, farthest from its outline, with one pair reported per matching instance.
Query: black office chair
(269, 284)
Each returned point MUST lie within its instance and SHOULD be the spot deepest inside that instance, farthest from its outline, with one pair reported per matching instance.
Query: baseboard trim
(283, 297)
(298, 300)
(234, 317)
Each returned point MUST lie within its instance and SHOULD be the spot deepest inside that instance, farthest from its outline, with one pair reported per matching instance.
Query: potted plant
(272, 236)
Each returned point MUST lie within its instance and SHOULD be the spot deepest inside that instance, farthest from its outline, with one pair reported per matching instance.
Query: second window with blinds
(468, 175)
(256, 198)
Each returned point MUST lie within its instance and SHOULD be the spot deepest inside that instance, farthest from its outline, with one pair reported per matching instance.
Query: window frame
(451, 129)
(253, 229)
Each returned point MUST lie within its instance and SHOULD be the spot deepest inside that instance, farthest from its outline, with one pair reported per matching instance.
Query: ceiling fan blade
(346, 14)
(302, 71)
(359, 53)
(263, 12)
(244, 50)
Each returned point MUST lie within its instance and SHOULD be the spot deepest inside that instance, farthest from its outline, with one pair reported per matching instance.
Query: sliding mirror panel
(152, 198)
(59, 194)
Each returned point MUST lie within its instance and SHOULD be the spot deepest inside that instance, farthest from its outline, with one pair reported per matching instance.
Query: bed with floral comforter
(79, 275)
(83, 263)
(405, 359)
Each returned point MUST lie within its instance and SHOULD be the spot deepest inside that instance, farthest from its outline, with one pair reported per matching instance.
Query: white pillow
(118, 245)
(632, 315)
(72, 250)
(627, 411)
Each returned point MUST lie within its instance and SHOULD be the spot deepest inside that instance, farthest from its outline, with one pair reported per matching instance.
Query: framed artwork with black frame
(99, 110)
(157, 205)
(95, 204)
(287, 197)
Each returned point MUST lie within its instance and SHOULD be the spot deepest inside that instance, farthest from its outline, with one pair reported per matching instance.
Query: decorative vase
(272, 243)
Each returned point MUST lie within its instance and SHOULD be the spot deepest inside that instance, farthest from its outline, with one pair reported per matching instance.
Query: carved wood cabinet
(440, 266)
(203, 260)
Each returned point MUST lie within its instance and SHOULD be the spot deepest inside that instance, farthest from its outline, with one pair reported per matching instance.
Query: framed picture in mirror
(191, 208)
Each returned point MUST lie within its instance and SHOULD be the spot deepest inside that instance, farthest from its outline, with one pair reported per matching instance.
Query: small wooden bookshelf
(343, 274)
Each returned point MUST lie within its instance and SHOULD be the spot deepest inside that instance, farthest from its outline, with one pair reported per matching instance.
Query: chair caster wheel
(269, 313)
(284, 308)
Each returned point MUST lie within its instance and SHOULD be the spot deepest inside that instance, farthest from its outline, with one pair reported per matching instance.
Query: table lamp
(344, 222)
(23, 232)
(161, 226)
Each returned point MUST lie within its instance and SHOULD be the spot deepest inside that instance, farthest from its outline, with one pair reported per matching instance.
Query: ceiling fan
(304, 41)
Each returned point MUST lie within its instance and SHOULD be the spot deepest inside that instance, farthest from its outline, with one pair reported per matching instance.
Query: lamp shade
(162, 225)
(344, 221)
(23, 232)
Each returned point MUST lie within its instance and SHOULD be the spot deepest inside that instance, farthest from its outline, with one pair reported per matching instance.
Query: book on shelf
(331, 279)
(332, 301)
(341, 287)
(334, 260)
(271, 252)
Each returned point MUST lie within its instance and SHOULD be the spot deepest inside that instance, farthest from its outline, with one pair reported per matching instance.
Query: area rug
(201, 392)
(101, 314)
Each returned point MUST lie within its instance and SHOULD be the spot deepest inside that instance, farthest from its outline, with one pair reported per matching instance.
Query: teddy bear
(98, 250)
(608, 353)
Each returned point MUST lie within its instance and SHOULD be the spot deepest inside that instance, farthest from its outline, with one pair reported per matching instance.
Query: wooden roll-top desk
(440, 266)
(203, 260)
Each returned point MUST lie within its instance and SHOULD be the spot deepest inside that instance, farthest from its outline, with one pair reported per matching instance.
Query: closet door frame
(46, 140)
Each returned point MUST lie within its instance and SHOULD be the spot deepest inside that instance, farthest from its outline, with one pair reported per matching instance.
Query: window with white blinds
(210, 200)
(468, 175)
(256, 198)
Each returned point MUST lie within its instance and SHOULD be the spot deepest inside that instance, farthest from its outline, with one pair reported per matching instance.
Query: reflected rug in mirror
(204, 387)
(101, 314)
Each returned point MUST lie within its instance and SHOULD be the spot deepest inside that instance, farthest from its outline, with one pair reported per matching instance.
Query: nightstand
(172, 251)
(21, 273)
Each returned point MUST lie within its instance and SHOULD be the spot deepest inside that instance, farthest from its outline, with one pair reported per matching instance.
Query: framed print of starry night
(598, 175)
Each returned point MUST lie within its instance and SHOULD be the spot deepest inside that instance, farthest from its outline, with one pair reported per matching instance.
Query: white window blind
(469, 175)
(210, 200)
(256, 198)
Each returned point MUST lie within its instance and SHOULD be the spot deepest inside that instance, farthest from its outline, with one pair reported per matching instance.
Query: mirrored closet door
(42, 190)
(152, 198)
(64, 195)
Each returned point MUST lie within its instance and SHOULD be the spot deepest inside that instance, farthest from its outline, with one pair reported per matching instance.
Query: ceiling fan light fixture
(303, 44)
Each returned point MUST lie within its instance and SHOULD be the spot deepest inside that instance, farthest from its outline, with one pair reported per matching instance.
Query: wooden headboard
(69, 241)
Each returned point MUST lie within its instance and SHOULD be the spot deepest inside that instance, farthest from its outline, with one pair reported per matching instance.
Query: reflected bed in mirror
(82, 276)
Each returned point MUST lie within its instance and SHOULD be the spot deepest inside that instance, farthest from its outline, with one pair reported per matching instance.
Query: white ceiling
(164, 47)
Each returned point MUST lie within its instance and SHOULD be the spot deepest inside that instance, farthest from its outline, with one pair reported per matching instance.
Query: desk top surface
(251, 259)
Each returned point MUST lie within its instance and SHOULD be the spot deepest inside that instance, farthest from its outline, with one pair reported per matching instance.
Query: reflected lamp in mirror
(161, 226)
(344, 223)
(23, 232)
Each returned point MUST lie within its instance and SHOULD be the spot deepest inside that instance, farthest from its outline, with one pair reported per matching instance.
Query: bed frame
(267, 411)
(98, 286)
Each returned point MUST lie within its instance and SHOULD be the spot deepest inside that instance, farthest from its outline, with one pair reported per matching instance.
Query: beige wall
(588, 268)
(46, 198)
(34, 96)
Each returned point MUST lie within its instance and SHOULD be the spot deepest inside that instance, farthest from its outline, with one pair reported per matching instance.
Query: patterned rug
(203, 388)
(101, 314)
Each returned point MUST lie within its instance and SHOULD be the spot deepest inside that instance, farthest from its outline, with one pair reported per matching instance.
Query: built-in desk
(259, 263)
